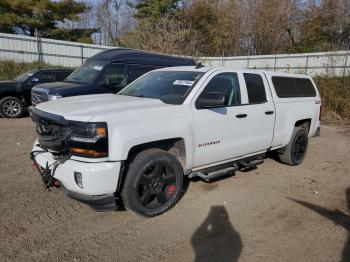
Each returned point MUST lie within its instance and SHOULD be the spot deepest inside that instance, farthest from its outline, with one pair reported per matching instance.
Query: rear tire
(295, 151)
(11, 107)
(153, 183)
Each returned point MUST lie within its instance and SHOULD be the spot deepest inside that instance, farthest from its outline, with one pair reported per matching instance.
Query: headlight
(88, 139)
(54, 97)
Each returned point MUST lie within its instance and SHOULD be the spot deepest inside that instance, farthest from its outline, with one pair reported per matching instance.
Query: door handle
(241, 115)
(268, 112)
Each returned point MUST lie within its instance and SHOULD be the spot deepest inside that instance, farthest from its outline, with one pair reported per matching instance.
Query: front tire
(295, 151)
(153, 183)
(11, 107)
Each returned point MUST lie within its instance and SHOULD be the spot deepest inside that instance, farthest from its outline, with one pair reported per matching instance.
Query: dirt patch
(274, 213)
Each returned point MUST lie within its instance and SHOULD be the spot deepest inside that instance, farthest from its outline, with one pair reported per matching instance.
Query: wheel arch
(305, 123)
(10, 93)
(175, 146)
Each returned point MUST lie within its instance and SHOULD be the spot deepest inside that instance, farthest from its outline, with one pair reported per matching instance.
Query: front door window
(226, 84)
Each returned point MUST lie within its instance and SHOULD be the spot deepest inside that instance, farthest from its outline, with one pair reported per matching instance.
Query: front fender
(129, 135)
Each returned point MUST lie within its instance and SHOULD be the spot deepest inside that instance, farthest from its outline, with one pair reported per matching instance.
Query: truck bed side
(291, 111)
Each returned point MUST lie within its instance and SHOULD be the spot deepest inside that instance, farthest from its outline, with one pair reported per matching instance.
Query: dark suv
(15, 95)
(107, 72)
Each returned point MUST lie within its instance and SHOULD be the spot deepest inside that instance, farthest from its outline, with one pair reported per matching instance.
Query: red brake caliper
(170, 190)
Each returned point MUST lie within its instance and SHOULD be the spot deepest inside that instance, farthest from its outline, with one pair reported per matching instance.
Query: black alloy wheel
(156, 185)
(153, 183)
(294, 153)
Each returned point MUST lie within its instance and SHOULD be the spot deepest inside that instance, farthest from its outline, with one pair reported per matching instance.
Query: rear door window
(255, 88)
(293, 87)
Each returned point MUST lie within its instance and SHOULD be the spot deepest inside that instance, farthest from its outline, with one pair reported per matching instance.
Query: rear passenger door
(260, 113)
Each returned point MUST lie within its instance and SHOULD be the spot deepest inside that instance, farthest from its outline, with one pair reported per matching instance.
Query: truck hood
(84, 108)
(60, 88)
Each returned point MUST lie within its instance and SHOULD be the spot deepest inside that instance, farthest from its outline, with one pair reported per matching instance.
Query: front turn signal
(87, 152)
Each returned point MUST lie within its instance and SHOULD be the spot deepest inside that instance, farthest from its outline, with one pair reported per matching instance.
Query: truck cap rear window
(293, 87)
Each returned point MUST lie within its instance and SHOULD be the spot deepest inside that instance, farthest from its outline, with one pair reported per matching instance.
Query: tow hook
(47, 178)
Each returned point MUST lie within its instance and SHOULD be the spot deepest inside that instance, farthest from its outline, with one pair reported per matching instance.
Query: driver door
(216, 129)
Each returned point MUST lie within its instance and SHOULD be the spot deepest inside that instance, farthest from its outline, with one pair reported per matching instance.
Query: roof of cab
(132, 56)
(241, 70)
(186, 68)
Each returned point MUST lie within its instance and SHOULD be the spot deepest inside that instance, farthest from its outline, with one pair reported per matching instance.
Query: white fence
(56, 52)
(327, 63)
(70, 54)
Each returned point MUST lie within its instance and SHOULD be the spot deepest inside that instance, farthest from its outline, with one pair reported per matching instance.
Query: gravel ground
(274, 213)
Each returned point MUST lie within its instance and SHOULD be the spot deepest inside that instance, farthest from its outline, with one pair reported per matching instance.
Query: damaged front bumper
(97, 181)
(106, 202)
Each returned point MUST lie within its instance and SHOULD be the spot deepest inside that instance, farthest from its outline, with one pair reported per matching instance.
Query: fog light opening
(78, 179)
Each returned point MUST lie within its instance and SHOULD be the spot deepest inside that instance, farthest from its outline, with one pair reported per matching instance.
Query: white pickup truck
(137, 146)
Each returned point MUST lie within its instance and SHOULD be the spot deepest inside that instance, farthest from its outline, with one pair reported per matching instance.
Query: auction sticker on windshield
(183, 82)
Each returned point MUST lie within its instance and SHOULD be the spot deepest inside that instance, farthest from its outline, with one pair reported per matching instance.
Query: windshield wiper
(130, 95)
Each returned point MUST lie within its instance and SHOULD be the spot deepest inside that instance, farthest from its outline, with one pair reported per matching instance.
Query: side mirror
(212, 100)
(35, 80)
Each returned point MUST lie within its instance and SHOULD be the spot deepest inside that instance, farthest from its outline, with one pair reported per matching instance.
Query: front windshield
(87, 73)
(172, 87)
(25, 76)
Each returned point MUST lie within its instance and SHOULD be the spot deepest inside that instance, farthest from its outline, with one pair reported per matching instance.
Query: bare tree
(110, 15)
(241, 27)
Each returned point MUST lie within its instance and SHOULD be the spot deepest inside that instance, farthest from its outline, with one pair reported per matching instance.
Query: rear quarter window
(293, 87)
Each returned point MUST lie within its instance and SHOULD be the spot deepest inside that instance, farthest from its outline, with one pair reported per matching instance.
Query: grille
(38, 97)
(52, 134)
